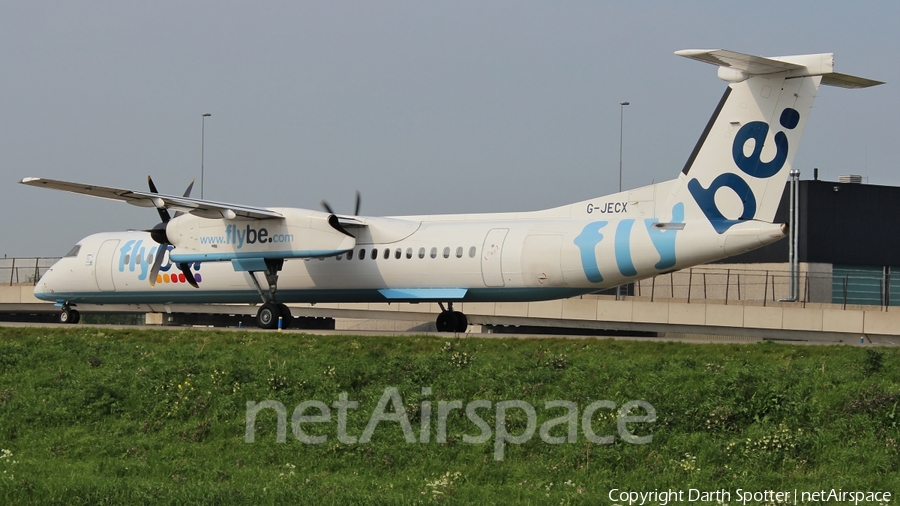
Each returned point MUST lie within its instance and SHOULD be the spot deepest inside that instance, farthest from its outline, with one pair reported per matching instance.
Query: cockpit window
(74, 251)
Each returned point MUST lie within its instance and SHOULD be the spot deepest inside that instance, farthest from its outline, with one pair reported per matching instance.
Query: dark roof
(840, 223)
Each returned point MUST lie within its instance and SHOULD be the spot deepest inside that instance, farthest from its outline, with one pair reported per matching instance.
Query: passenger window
(350, 255)
(339, 256)
(459, 252)
(398, 253)
(362, 253)
(472, 252)
(433, 252)
(150, 259)
(421, 253)
(446, 251)
(374, 253)
(408, 252)
(127, 259)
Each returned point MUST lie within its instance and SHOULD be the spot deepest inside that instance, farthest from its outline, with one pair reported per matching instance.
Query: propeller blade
(157, 263)
(187, 193)
(188, 275)
(163, 213)
(355, 212)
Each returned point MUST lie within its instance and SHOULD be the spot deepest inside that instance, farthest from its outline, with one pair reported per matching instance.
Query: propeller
(355, 212)
(158, 233)
(187, 193)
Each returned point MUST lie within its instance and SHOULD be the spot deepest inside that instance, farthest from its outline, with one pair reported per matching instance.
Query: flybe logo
(238, 237)
(136, 257)
(750, 165)
(663, 241)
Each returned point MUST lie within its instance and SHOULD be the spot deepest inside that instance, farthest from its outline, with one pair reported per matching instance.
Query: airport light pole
(621, 131)
(202, 139)
(794, 239)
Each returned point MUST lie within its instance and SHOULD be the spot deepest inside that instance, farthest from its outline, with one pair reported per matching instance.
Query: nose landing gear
(69, 315)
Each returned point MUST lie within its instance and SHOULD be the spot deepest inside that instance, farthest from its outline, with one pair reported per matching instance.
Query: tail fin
(751, 139)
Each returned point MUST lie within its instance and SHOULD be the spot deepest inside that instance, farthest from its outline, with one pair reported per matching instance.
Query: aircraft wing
(350, 221)
(197, 207)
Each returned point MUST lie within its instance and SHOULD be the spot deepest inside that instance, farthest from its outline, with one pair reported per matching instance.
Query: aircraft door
(103, 266)
(491, 269)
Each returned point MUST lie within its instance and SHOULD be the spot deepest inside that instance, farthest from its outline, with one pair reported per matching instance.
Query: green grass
(102, 416)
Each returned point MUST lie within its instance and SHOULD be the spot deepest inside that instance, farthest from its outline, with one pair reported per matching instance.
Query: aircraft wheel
(75, 317)
(286, 319)
(267, 316)
(446, 321)
(65, 316)
(462, 323)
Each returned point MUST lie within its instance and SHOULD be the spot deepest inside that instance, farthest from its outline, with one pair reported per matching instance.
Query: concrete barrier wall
(748, 315)
(18, 294)
(781, 316)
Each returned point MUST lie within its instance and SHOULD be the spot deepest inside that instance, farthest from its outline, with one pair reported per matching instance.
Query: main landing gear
(270, 311)
(69, 315)
(450, 320)
(268, 314)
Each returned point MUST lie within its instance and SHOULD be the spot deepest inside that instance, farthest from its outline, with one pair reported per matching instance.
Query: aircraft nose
(44, 289)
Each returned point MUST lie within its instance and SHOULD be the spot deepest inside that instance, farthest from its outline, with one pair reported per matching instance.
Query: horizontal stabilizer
(752, 65)
(736, 67)
(848, 81)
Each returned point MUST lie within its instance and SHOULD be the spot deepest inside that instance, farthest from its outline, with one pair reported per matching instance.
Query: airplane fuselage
(470, 258)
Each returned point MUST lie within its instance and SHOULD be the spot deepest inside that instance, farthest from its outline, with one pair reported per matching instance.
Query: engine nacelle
(301, 233)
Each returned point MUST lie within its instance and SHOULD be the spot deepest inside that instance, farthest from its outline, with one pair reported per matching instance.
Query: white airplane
(721, 204)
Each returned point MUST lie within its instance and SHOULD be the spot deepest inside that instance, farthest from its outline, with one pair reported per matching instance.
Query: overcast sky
(426, 107)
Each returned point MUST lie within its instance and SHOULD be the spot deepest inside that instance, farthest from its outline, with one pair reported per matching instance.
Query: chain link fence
(853, 286)
(17, 271)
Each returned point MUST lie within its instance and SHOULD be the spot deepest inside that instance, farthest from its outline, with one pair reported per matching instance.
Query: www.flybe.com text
(240, 237)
